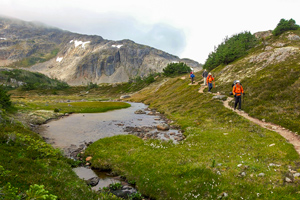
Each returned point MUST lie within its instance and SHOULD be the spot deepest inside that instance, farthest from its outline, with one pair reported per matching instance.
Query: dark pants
(238, 100)
(210, 86)
(192, 79)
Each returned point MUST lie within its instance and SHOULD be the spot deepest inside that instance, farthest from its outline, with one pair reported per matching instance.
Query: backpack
(234, 82)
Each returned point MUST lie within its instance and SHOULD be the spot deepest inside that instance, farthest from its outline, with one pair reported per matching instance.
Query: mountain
(76, 58)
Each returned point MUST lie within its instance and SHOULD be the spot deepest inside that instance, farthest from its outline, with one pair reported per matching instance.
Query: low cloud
(109, 25)
(119, 27)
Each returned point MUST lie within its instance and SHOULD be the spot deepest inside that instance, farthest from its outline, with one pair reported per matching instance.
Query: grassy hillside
(270, 76)
(223, 154)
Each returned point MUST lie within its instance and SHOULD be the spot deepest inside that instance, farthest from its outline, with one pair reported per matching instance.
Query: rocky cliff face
(78, 59)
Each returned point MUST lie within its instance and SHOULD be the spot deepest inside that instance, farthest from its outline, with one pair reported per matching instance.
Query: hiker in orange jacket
(237, 91)
(209, 81)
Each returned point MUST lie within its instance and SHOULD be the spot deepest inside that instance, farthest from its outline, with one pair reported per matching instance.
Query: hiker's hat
(237, 81)
(209, 73)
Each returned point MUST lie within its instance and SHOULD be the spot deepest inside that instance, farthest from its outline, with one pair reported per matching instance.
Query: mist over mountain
(76, 58)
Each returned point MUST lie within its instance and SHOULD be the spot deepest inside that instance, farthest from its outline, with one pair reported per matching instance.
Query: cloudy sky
(185, 28)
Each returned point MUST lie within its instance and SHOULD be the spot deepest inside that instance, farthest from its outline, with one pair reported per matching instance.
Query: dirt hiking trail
(291, 137)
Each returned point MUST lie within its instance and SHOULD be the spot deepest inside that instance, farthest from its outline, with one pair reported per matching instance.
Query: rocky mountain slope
(75, 58)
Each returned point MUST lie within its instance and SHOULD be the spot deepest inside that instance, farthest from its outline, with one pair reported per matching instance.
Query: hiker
(209, 81)
(237, 91)
(192, 77)
(204, 75)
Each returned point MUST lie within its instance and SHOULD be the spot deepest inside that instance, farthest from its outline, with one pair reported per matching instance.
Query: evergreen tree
(285, 25)
(230, 50)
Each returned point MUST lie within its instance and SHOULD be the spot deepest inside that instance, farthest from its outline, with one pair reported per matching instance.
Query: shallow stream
(76, 130)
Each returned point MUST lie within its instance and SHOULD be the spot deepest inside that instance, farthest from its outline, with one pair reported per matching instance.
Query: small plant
(9, 192)
(132, 182)
(92, 85)
(135, 196)
(56, 110)
(38, 192)
(115, 186)
(213, 164)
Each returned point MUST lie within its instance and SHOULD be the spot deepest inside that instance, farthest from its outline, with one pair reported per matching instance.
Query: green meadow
(223, 155)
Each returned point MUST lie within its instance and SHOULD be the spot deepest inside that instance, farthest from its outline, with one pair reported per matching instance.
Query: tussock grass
(222, 152)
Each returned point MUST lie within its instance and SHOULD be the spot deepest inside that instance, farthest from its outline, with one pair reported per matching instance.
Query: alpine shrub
(176, 69)
(5, 102)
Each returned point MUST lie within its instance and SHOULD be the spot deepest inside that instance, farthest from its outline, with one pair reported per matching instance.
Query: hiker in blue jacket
(192, 75)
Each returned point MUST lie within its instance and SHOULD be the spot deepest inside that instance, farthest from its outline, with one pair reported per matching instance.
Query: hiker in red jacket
(237, 91)
(209, 81)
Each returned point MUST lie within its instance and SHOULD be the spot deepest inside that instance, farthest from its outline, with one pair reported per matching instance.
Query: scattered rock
(288, 180)
(274, 165)
(139, 112)
(221, 97)
(222, 195)
(296, 174)
(239, 165)
(125, 96)
(92, 181)
(120, 124)
(261, 174)
(243, 174)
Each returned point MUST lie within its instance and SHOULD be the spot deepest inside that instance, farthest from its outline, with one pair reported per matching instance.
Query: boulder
(124, 192)
(125, 96)
(139, 112)
(92, 181)
(163, 127)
